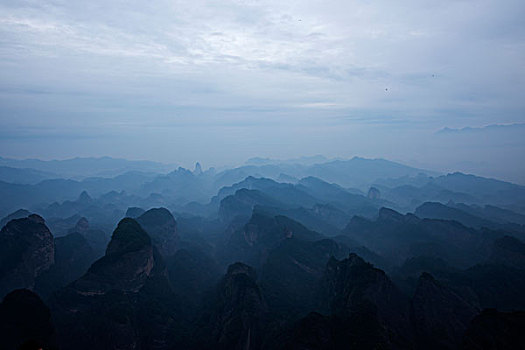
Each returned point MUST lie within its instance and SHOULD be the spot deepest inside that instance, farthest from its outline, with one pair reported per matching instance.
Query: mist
(220, 83)
(262, 175)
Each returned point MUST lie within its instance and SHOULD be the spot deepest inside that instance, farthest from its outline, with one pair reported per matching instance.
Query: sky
(222, 81)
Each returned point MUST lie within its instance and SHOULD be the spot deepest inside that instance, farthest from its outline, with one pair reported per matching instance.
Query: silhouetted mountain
(398, 237)
(19, 214)
(368, 305)
(292, 271)
(134, 212)
(508, 251)
(73, 257)
(432, 210)
(24, 176)
(84, 167)
(162, 228)
(440, 316)
(96, 238)
(26, 251)
(193, 273)
(493, 213)
(243, 202)
(355, 172)
(123, 301)
(252, 243)
(181, 185)
(496, 330)
(25, 322)
(458, 188)
(236, 317)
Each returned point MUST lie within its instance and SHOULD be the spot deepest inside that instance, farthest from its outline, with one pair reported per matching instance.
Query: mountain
(73, 256)
(25, 322)
(368, 304)
(496, 330)
(161, 226)
(86, 167)
(26, 251)
(237, 315)
(123, 301)
(361, 308)
(252, 243)
(292, 271)
(356, 172)
(440, 316)
(24, 175)
(95, 238)
(398, 237)
(134, 212)
(193, 273)
(508, 251)
(19, 214)
(492, 213)
(433, 210)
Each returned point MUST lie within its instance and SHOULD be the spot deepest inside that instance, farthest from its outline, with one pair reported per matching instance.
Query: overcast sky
(222, 81)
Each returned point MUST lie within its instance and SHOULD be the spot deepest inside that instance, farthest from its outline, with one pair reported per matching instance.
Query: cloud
(317, 70)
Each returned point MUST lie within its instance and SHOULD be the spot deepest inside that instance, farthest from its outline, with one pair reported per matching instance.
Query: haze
(220, 82)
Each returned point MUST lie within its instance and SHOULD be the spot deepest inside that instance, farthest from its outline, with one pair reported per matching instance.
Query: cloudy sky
(222, 81)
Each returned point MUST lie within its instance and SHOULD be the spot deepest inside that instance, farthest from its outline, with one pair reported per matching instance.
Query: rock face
(25, 322)
(439, 315)
(239, 310)
(124, 300)
(496, 330)
(162, 228)
(26, 251)
(126, 266)
(73, 256)
(372, 313)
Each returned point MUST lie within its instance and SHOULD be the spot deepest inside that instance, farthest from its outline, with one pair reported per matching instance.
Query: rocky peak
(125, 294)
(36, 219)
(353, 289)
(26, 250)
(198, 169)
(84, 197)
(237, 322)
(82, 225)
(127, 237)
(161, 226)
(129, 261)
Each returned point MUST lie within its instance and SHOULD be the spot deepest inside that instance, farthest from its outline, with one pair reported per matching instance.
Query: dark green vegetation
(268, 256)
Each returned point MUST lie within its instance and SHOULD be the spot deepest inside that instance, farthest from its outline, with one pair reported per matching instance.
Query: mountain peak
(198, 169)
(387, 214)
(127, 237)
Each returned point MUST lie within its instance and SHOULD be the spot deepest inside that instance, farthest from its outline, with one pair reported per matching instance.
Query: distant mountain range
(80, 168)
